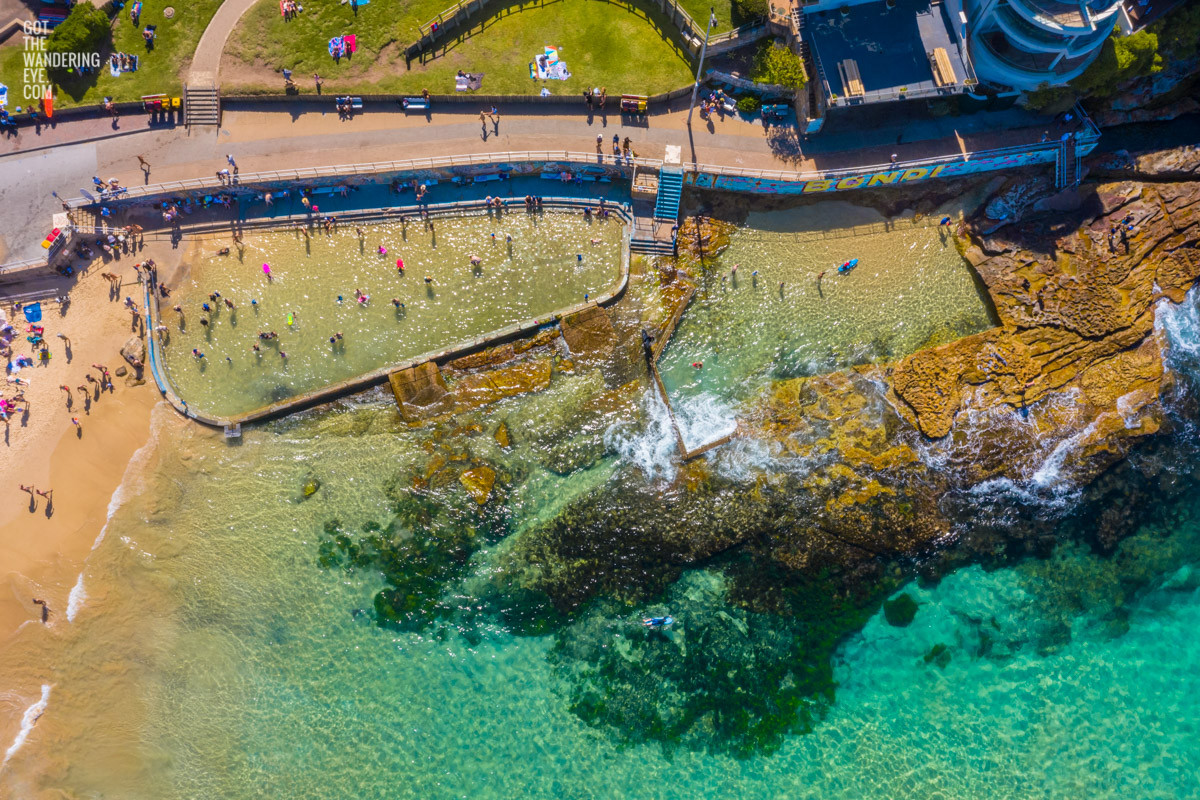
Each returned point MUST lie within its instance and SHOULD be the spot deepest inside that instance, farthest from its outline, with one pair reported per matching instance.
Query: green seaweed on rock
(725, 678)
(420, 553)
(900, 610)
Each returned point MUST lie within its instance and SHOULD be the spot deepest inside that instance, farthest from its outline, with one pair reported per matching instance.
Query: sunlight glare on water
(551, 263)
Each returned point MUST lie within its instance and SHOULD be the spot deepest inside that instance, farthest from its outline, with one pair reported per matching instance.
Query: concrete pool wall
(232, 424)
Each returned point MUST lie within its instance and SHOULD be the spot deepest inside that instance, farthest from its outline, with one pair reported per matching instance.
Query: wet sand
(43, 546)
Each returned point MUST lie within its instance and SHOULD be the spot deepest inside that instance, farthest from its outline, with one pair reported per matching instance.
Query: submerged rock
(478, 482)
(900, 610)
(501, 436)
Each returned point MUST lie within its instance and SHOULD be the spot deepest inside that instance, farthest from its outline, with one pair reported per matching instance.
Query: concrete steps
(201, 105)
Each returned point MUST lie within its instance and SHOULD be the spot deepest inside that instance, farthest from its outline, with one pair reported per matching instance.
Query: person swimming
(658, 622)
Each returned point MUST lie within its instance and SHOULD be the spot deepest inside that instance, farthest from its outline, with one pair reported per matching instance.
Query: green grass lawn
(616, 45)
(159, 69)
(384, 28)
(699, 11)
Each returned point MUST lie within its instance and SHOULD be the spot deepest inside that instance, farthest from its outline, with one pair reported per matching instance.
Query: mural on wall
(981, 163)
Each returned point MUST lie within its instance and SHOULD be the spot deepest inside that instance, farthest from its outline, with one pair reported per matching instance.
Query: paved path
(273, 136)
(207, 60)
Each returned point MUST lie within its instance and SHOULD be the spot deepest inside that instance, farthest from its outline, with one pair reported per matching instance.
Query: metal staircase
(1068, 165)
(670, 189)
(201, 104)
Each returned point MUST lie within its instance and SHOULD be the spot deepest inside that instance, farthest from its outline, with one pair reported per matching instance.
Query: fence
(463, 98)
(691, 34)
(250, 182)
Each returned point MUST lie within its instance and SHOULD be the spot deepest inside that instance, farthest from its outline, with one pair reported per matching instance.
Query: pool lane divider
(328, 394)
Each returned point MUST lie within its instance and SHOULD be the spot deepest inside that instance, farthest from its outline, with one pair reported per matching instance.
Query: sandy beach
(42, 544)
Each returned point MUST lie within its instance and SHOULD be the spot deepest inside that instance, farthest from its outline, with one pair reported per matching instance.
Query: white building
(1023, 44)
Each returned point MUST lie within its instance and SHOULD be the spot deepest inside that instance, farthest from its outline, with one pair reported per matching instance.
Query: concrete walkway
(206, 64)
(273, 136)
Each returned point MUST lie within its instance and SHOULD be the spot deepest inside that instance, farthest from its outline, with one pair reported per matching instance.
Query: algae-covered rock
(483, 388)
(589, 335)
(502, 436)
(900, 610)
(478, 482)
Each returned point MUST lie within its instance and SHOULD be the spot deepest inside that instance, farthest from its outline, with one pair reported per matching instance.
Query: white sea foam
(1179, 325)
(76, 599)
(703, 418)
(32, 715)
(652, 448)
(159, 416)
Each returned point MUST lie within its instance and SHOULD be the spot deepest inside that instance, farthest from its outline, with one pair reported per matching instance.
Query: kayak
(849, 265)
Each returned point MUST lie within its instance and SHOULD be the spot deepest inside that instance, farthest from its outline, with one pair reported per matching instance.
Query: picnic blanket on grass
(549, 67)
(342, 46)
(469, 82)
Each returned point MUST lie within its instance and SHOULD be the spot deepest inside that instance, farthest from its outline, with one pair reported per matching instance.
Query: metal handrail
(849, 172)
(245, 182)
(29, 263)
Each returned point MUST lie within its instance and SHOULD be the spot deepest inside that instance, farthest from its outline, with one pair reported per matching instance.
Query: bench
(634, 103)
(354, 103)
(415, 104)
(943, 70)
(851, 79)
(777, 111)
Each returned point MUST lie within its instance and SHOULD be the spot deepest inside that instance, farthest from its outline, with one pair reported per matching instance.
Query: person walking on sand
(144, 164)
(45, 609)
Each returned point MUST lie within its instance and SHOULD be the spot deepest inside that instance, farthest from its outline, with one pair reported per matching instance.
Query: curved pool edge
(336, 391)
